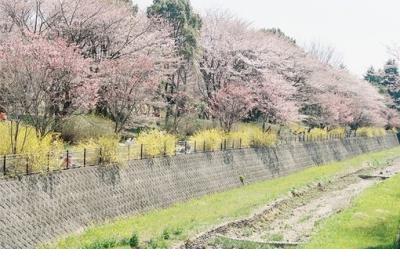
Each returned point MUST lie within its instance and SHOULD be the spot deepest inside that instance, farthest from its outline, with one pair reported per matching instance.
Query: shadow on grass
(380, 233)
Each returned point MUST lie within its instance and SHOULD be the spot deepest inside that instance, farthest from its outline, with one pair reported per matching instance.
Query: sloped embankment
(290, 221)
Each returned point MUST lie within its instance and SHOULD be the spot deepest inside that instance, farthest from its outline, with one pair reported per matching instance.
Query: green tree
(375, 78)
(280, 33)
(391, 81)
(185, 22)
(386, 80)
(186, 26)
(391, 76)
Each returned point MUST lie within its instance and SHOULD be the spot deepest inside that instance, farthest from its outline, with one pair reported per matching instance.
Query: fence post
(67, 160)
(5, 165)
(129, 152)
(84, 157)
(195, 146)
(225, 144)
(165, 149)
(27, 165)
(141, 152)
(48, 162)
(204, 146)
(240, 143)
(100, 156)
(185, 147)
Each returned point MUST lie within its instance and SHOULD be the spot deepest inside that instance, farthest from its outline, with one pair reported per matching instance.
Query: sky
(360, 30)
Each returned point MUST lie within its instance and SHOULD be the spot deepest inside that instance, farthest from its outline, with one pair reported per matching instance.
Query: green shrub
(158, 243)
(157, 143)
(85, 127)
(134, 241)
(177, 231)
(103, 244)
(166, 234)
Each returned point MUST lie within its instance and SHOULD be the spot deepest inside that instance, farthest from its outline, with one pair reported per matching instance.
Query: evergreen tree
(391, 76)
(280, 33)
(186, 26)
(184, 20)
(375, 78)
(372, 76)
(387, 80)
(391, 81)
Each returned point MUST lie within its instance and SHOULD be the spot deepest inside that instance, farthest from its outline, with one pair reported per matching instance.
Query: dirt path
(290, 221)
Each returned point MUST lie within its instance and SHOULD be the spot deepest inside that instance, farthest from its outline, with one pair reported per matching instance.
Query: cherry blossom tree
(326, 54)
(392, 118)
(100, 28)
(336, 110)
(275, 100)
(231, 104)
(44, 80)
(344, 99)
(127, 88)
(227, 51)
(135, 54)
(234, 52)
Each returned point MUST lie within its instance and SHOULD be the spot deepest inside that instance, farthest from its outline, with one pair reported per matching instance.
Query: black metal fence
(27, 164)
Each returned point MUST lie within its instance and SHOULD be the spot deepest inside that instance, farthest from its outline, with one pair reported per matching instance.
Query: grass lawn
(372, 222)
(165, 228)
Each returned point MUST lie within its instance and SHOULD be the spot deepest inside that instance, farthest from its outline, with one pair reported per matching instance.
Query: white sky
(359, 29)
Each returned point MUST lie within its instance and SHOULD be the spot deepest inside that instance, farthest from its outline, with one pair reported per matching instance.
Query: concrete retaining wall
(37, 209)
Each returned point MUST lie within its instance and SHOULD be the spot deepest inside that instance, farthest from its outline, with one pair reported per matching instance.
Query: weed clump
(134, 241)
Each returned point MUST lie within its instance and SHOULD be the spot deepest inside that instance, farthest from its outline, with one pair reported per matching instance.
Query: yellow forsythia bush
(317, 134)
(104, 149)
(157, 143)
(249, 134)
(40, 154)
(211, 139)
(260, 139)
(297, 129)
(253, 136)
(337, 132)
(371, 132)
(245, 135)
(241, 138)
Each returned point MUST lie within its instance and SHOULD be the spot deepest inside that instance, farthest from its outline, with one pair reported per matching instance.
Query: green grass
(372, 222)
(185, 220)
